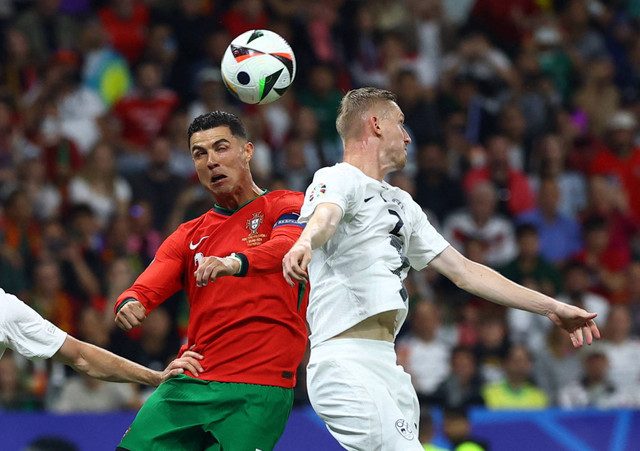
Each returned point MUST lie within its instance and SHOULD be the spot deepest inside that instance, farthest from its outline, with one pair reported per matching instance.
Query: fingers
(294, 268)
(577, 338)
(587, 333)
(594, 329)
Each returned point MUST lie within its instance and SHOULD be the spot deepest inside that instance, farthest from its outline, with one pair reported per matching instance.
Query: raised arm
(488, 284)
(96, 362)
(318, 231)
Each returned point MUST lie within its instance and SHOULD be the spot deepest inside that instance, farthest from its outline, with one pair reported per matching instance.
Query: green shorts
(191, 414)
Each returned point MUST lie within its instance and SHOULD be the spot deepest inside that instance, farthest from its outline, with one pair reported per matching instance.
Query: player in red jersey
(250, 328)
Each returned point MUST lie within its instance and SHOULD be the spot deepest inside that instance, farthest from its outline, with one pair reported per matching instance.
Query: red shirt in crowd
(128, 35)
(625, 171)
(144, 118)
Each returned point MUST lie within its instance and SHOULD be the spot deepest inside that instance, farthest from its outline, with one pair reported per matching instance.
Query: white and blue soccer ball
(258, 67)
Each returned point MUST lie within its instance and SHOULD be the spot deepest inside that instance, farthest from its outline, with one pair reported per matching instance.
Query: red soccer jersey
(250, 329)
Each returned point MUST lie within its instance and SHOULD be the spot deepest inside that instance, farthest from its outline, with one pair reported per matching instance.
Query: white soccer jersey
(358, 273)
(26, 332)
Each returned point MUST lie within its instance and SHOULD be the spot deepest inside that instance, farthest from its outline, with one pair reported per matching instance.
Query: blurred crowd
(525, 156)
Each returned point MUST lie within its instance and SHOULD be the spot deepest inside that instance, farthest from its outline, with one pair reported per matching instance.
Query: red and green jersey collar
(228, 212)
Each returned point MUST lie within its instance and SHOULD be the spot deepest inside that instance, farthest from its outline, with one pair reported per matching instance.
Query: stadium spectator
(19, 71)
(513, 126)
(556, 365)
(549, 161)
(14, 392)
(577, 282)
(598, 97)
(462, 388)
(512, 187)
(479, 220)
(559, 235)
(436, 190)
(530, 268)
(492, 346)
(622, 350)
(157, 184)
(606, 264)
(143, 114)
(422, 117)
(593, 389)
(425, 352)
(47, 29)
(100, 186)
(516, 391)
(126, 22)
(620, 162)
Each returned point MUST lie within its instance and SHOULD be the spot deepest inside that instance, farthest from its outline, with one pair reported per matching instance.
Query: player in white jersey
(361, 237)
(29, 334)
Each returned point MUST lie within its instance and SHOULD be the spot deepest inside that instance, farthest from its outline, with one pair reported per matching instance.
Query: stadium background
(524, 120)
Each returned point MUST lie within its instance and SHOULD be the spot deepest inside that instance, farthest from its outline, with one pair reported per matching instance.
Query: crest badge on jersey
(404, 429)
(254, 238)
(317, 191)
(254, 223)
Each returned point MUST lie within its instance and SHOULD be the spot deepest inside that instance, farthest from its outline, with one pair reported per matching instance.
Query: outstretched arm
(318, 231)
(96, 362)
(488, 284)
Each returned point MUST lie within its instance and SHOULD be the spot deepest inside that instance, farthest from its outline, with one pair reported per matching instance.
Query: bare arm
(488, 284)
(318, 231)
(96, 362)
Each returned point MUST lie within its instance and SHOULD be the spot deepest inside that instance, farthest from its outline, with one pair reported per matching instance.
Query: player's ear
(373, 122)
(248, 151)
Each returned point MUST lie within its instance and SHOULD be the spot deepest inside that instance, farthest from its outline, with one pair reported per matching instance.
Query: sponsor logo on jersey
(193, 246)
(404, 429)
(317, 191)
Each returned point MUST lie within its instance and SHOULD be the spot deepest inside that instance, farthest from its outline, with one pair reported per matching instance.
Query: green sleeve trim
(244, 265)
(126, 301)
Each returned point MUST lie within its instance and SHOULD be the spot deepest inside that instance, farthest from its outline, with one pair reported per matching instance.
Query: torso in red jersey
(250, 329)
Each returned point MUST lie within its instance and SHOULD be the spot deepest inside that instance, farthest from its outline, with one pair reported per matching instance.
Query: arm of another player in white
(488, 284)
(25, 331)
(317, 232)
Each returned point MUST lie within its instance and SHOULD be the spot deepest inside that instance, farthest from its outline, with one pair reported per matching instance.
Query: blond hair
(354, 104)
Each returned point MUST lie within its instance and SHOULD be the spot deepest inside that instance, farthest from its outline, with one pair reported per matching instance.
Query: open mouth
(217, 178)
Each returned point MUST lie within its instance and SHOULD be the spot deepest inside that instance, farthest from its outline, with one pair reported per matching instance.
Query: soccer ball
(258, 67)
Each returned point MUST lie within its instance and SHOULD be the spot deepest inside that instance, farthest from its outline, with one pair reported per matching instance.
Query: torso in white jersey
(26, 332)
(358, 273)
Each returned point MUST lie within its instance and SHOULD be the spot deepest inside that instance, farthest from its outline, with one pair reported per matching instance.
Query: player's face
(396, 138)
(221, 160)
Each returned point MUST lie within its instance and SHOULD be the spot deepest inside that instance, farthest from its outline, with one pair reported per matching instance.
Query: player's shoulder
(339, 170)
(188, 227)
(283, 195)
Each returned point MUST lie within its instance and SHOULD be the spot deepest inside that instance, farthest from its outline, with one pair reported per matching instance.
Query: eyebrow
(220, 141)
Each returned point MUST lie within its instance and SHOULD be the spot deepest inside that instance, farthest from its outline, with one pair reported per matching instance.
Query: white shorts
(366, 400)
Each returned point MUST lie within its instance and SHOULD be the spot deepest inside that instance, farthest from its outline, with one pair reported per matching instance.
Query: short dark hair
(217, 119)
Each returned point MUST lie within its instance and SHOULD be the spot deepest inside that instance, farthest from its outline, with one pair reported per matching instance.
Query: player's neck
(364, 157)
(239, 197)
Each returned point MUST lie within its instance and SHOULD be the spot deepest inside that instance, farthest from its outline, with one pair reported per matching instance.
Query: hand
(295, 262)
(188, 361)
(575, 321)
(210, 268)
(131, 315)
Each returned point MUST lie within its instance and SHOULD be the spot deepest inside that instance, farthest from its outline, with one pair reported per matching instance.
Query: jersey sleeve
(267, 258)
(162, 278)
(425, 243)
(26, 332)
(332, 185)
